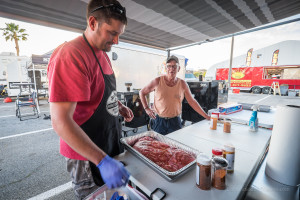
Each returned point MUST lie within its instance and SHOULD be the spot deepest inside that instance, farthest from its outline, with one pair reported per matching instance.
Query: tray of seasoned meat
(168, 157)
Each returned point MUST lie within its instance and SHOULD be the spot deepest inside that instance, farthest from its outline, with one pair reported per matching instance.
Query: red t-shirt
(74, 76)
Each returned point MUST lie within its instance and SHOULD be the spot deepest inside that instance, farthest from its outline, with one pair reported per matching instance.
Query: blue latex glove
(113, 172)
(116, 196)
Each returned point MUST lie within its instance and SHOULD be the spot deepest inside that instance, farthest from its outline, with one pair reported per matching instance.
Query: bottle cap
(214, 116)
(217, 151)
(229, 148)
(220, 162)
(203, 159)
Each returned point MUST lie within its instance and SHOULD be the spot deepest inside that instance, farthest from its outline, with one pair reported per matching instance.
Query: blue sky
(43, 39)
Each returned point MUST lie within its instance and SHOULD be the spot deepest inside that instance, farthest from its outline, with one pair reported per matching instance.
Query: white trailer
(139, 65)
(13, 70)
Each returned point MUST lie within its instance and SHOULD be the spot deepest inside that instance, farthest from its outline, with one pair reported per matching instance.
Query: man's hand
(207, 117)
(150, 112)
(113, 172)
(125, 112)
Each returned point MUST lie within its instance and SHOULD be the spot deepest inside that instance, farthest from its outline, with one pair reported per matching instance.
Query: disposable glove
(113, 172)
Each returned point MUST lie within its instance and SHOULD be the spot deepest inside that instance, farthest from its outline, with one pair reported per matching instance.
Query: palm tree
(13, 32)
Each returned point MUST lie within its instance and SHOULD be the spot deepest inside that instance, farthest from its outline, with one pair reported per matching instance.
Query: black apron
(104, 126)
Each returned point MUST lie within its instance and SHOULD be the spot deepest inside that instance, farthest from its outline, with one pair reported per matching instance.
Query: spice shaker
(203, 172)
(219, 167)
(227, 126)
(229, 155)
(213, 122)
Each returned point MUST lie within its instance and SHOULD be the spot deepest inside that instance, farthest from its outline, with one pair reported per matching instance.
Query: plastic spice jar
(229, 155)
(219, 167)
(213, 122)
(227, 126)
(217, 152)
(203, 172)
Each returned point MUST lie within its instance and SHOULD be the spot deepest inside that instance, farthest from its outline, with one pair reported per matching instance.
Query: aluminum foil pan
(170, 176)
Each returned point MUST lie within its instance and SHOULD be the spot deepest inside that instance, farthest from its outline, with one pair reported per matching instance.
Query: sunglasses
(113, 7)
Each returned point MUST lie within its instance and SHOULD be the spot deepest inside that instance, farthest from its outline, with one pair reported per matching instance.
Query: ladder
(276, 88)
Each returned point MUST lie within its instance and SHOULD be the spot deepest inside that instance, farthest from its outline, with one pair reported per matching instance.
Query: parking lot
(30, 164)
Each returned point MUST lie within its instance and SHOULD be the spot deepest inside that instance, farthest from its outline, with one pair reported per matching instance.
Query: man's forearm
(196, 106)
(143, 100)
(77, 139)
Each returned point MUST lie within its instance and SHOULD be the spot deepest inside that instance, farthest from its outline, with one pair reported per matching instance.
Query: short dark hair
(107, 12)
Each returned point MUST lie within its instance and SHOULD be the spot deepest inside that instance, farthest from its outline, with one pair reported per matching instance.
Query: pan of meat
(168, 157)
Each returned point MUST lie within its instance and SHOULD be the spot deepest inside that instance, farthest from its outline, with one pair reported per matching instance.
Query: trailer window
(282, 72)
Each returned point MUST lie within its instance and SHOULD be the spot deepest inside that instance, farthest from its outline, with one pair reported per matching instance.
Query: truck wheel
(256, 90)
(266, 90)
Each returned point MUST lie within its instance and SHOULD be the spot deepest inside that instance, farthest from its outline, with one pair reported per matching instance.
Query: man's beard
(107, 47)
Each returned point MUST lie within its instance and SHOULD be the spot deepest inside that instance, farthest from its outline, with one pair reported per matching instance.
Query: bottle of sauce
(229, 155)
(213, 122)
(203, 172)
(219, 167)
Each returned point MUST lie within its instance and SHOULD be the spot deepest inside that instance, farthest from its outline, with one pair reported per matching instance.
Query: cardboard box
(226, 109)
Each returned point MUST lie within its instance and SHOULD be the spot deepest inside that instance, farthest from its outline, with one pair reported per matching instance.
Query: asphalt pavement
(30, 164)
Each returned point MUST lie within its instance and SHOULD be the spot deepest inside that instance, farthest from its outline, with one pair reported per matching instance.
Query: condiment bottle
(217, 152)
(219, 166)
(203, 172)
(227, 126)
(229, 155)
(213, 122)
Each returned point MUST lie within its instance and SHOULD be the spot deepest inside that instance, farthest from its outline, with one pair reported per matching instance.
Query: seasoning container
(213, 122)
(229, 155)
(203, 172)
(217, 152)
(219, 166)
(227, 126)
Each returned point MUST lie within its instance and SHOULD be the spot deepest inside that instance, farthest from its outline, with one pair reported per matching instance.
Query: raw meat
(165, 156)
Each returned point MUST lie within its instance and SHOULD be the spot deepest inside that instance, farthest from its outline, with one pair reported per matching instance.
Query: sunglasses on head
(113, 7)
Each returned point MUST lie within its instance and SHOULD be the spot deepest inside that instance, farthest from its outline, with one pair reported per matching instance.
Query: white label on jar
(230, 159)
(211, 122)
(197, 174)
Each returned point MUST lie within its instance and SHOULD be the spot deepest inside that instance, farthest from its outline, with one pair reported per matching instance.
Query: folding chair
(31, 102)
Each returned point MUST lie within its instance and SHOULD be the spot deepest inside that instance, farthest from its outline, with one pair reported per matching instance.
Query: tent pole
(230, 64)
(34, 80)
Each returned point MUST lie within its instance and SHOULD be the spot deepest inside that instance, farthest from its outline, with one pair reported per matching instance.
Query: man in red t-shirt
(83, 101)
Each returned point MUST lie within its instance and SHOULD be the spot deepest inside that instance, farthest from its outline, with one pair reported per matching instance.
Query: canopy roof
(160, 24)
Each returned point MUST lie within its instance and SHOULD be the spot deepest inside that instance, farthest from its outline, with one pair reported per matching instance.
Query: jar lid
(220, 162)
(214, 116)
(229, 147)
(217, 151)
(203, 159)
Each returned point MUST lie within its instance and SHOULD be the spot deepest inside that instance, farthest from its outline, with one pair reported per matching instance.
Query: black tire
(256, 90)
(266, 90)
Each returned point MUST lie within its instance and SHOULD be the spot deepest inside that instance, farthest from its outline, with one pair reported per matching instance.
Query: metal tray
(169, 176)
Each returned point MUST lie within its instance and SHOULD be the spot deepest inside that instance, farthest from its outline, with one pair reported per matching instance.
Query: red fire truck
(260, 79)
